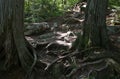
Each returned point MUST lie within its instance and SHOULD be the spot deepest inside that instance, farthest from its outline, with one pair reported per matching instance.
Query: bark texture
(14, 50)
(95, 32)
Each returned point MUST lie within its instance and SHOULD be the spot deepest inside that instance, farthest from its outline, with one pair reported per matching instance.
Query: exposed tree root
(69, 55)
(94, 59)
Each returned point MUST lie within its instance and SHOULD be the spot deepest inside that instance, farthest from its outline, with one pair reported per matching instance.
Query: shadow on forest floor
(53, 40)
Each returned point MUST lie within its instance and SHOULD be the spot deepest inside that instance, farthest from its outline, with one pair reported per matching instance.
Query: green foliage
(38, 10)
(114, 3)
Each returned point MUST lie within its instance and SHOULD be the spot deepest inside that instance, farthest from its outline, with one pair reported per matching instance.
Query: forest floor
(53, 45)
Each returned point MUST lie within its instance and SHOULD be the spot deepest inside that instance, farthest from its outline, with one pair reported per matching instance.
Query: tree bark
(94, 30)
(14, 50)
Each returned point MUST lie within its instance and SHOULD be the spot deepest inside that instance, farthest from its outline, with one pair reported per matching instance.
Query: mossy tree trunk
(95, 32)
(14, 49)
(95, 36)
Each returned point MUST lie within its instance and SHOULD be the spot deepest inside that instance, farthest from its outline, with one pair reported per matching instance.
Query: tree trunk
(95, 32)
(14, 50)
(95, 35)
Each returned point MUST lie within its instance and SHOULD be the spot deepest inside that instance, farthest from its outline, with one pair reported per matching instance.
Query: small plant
(39, 10)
